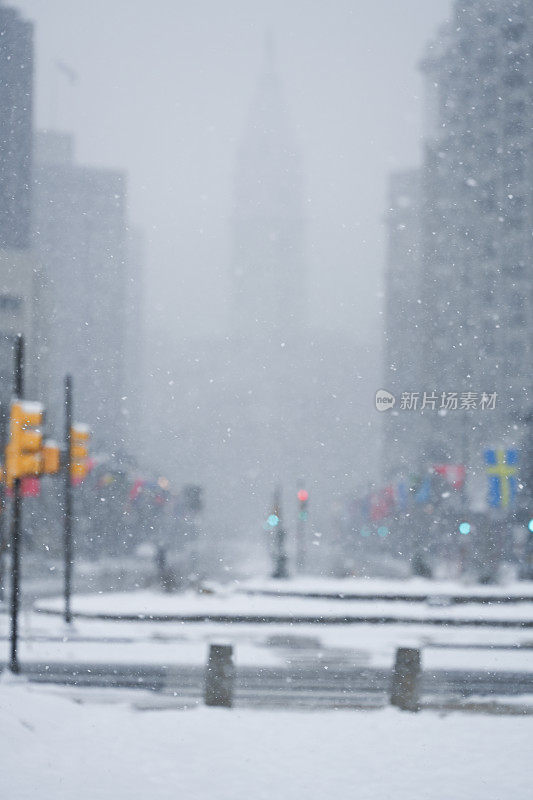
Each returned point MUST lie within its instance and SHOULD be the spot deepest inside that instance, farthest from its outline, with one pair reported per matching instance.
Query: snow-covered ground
(412, 587)
(56, 746)
(228, 603)
(45, 639)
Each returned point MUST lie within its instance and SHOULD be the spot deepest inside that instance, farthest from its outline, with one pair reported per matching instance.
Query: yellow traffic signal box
(23, 452)
(51, 458)
(79, 451)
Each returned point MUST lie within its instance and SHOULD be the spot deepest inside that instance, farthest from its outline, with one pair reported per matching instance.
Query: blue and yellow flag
(502, 469)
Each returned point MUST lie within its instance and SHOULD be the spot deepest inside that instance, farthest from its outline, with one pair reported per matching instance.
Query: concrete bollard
(405, 679)
(219, 676)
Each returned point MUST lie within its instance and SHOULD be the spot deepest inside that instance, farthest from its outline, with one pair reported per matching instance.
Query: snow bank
(254, 607)
(55, 749)
(412, 587)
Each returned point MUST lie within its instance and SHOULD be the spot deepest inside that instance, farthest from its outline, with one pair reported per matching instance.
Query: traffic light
(51, 457)
(303, 497)
(465, 528)
(79, 451)
(24, 448)
(192, 498)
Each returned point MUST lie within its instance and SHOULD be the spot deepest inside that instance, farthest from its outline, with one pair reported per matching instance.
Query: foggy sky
(164, 89)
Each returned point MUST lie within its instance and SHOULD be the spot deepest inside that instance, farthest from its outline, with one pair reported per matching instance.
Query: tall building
(19, 281)
(134, 356)
(16, 101)
(80, 241)
(20, 291)
(478, 207)
(470, 331)
(404, 371)
(268, 278)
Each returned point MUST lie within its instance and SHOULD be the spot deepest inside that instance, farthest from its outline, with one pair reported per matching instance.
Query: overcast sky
(163, 92)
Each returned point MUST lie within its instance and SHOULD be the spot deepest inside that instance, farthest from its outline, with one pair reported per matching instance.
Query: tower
(276, 403)
(268, 273)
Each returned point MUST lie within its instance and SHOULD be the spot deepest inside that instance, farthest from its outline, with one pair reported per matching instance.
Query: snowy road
(309, 664)
(313, 686)
(293, 665)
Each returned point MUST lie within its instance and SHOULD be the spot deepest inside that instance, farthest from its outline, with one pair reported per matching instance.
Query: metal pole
(300, 542)
(67, 503)
(15, 533)
(301, 527)
(280, 557)
(301, 548)
(3, 532)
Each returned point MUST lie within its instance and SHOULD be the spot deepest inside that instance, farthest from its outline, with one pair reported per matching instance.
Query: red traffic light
(303, 496)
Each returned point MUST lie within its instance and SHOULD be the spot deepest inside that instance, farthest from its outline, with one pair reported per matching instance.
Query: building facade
(80, 240)
(16, 103)
(19, 280)
(404, 370)
(135, 356)
(478, 223)
(475, 234)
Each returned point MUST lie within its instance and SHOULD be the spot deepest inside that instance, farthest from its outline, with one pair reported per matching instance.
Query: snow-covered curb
(413, 589)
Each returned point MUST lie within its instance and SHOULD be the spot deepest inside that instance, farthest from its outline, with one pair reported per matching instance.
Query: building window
(514, 32)
(10, 304)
